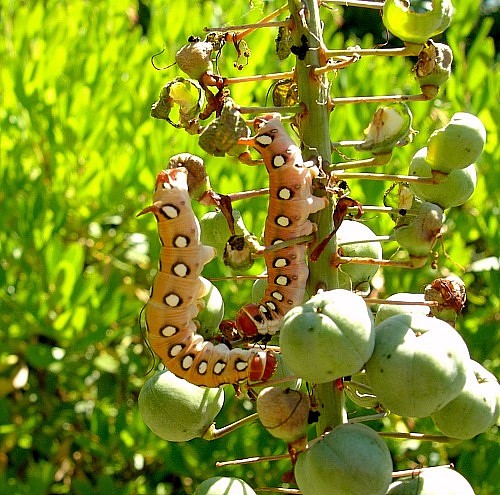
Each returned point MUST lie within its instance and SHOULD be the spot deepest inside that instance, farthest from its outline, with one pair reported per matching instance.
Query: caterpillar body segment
(176, 295)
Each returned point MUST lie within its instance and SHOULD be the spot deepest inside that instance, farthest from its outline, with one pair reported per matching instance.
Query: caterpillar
(175, 296)
(290, 203)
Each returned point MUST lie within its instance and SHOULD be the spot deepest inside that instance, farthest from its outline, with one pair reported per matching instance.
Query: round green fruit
(212, 312)
(453, 189)
(360, 392)
(433, 481)
(419, 365)
(224, 485)
(328, 337)
(385, 311)
(351, 232)
(177, 410)
(474, 409)
(215, 231)
(349, 460)
(418, 234)
(415, 26)
(259, 288)
(283, 371)
(458, 144)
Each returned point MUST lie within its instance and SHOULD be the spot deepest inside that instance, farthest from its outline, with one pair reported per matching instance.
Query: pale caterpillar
(290, 203)
(175, 297)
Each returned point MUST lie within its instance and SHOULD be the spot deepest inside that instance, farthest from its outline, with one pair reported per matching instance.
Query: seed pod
(197, 178)
(351, 231)
(475, 409)
(418, 235)
(183, 95)
(418, 365)
(285, 93)
(454, 189)
(433, 481)
(224, 485)
(450, 295)
(359, 391)
(416, 27)
(194, 59)
(284, 412)
(215, 231)
(177, 410)
(385, 311)
(433, 67)
(349, 460)
(284, 42)
(222, 134)
(456, 145)
(390, 126)
(211, 312)
(328, 337)
(239, 252)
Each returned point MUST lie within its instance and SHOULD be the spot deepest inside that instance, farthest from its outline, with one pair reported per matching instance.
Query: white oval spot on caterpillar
(278, 161)
(219, 367)
(281, 280)
(187, 361)
(202, 367)
(175, 350)
(277, 295)
(284, 193)
(280, 262)
(180, 269)
(271, 305)
(241, 365)
(169, 331)
(172, 300)
(263, 309)
(264, 140)
(170, 211)
(181, 241)
(283, 221)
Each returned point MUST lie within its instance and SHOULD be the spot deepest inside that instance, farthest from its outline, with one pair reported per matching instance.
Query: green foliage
(78, 157)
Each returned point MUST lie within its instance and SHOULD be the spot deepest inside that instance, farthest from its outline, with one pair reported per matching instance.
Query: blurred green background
(79, 156)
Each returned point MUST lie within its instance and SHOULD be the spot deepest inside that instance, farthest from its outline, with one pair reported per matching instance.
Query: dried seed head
(433, 67)
(195, 58)
(198, 180)
(450, 295)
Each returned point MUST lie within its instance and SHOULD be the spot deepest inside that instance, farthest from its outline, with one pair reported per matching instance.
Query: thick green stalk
(314, 130)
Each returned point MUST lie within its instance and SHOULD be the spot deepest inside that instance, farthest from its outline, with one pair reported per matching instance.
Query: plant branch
(213, 433)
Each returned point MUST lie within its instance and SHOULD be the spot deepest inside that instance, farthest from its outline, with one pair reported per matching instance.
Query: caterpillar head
(172, 178)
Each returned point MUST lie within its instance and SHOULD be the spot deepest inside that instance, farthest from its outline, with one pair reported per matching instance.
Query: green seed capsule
(413, 26)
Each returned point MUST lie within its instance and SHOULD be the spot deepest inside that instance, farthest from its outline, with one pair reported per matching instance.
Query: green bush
(78, 157)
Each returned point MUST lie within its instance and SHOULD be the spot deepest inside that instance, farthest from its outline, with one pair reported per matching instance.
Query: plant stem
(213, 433)
(356, 3)
(314, 130)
